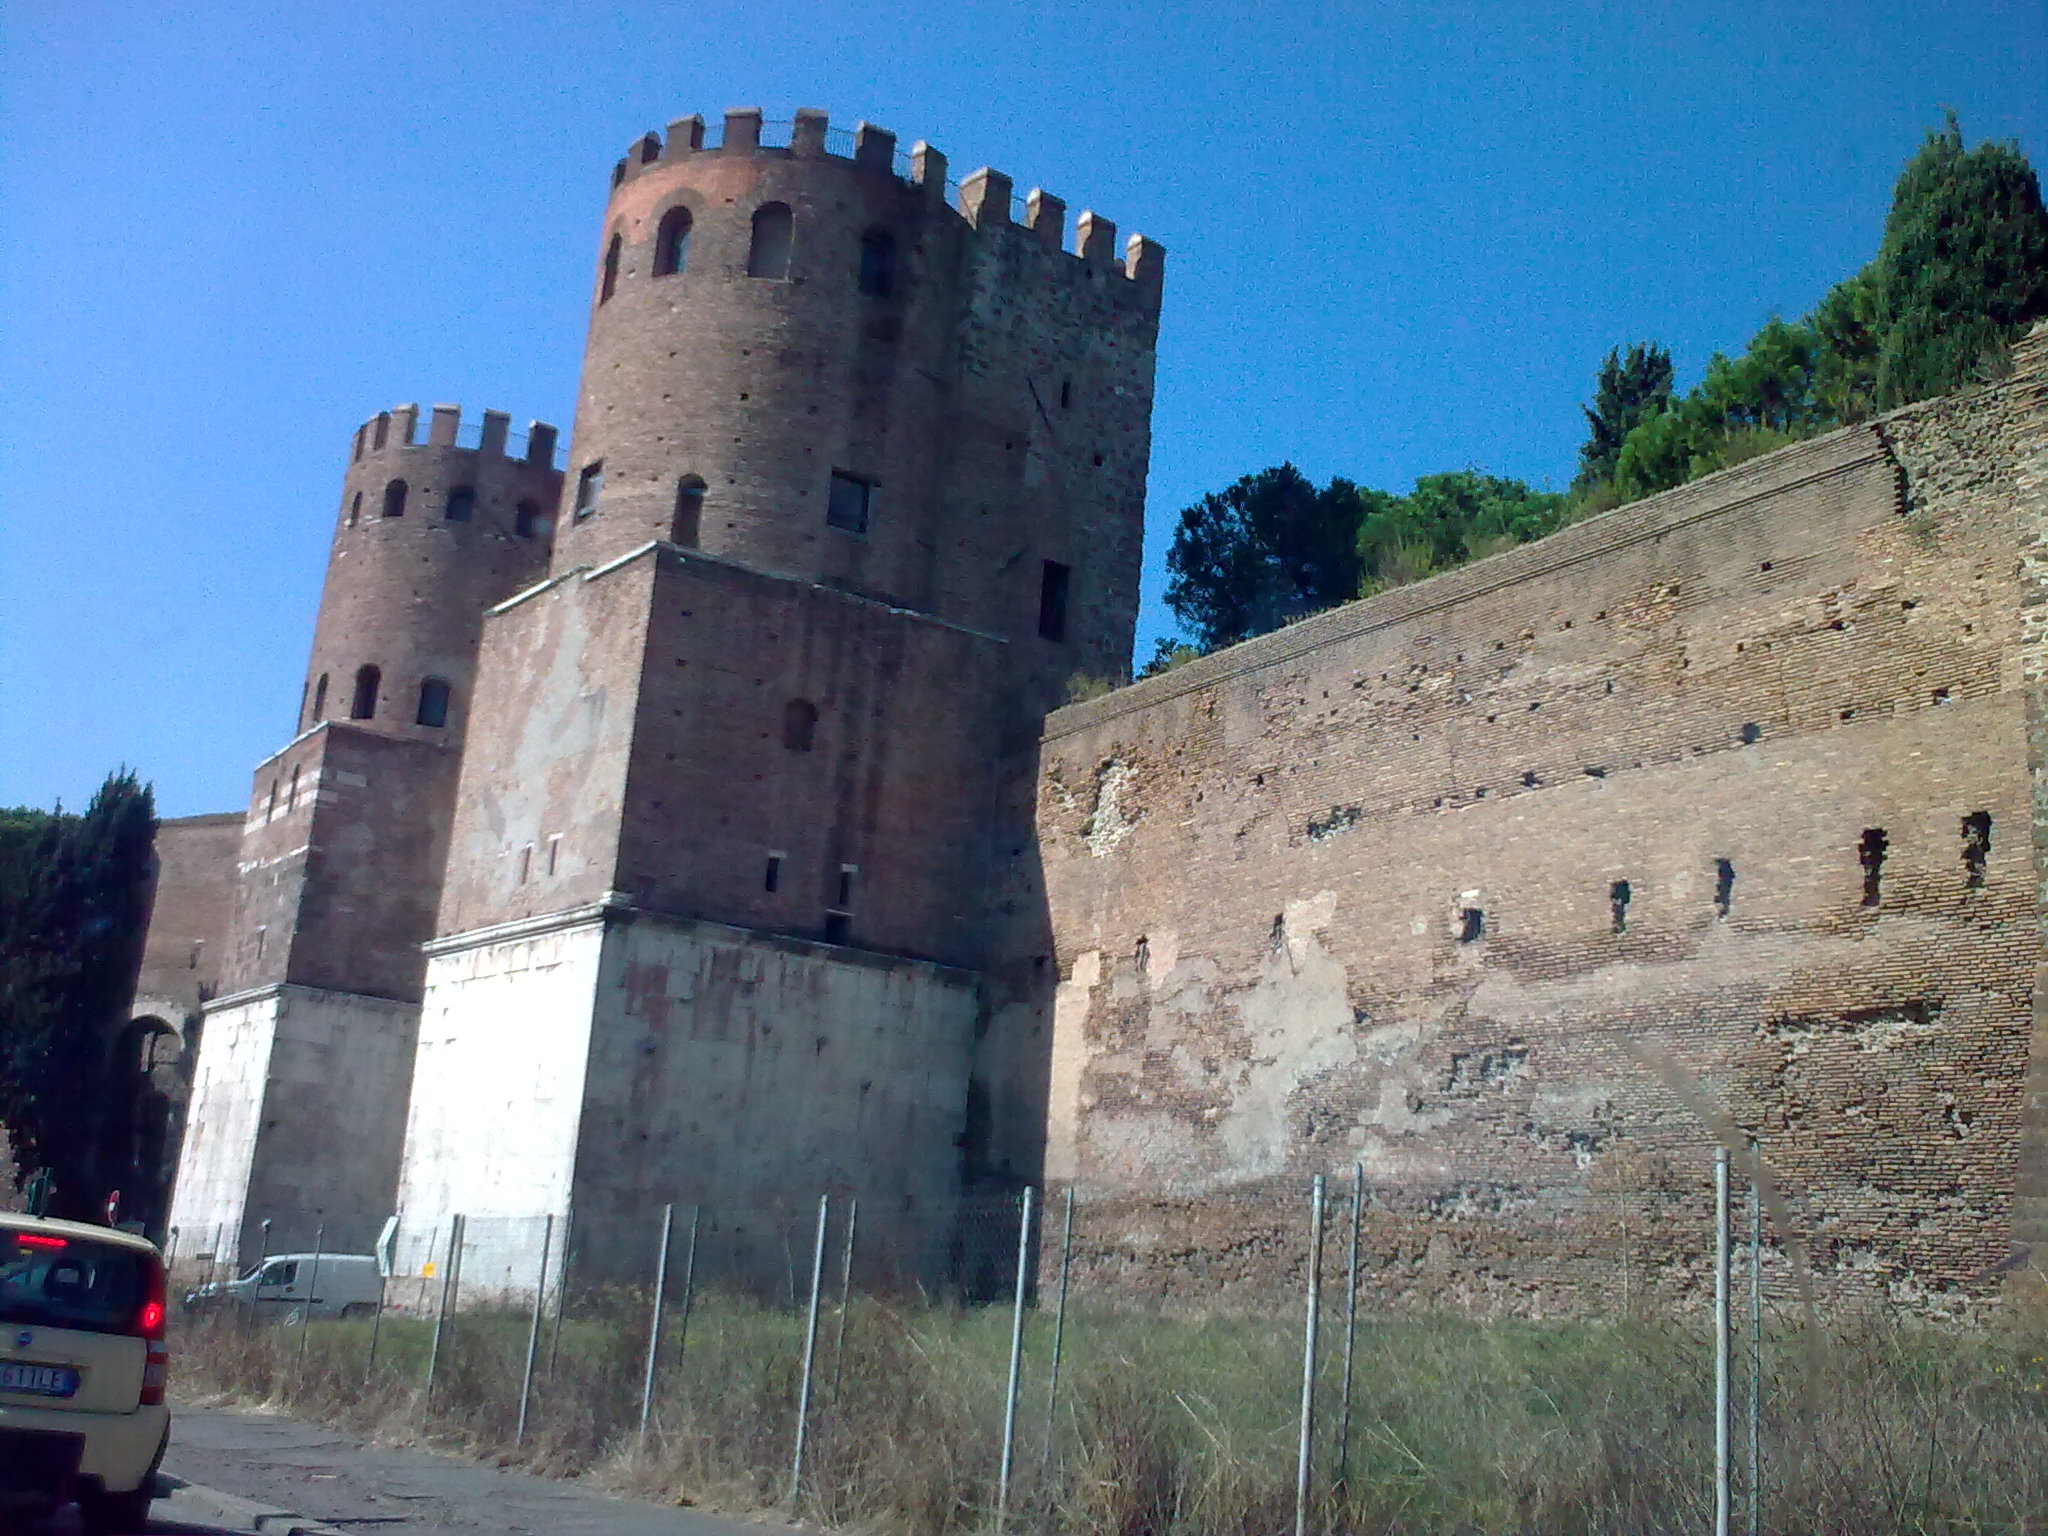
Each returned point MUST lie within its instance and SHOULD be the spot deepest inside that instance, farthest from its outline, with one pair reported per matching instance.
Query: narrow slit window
(1976, 848)
(554, 852)
(771, 877)
(849, 502)
(847, 872)
(878, 264)
(672, 243)
(774, 231)
(688, 526)
(291, 795)
(589, 486)
(1054, 580)
(270, 806)
(1724, 887)
(394, 499)
(526, 863)
(461, 504)
(1871, 851)
(364, 705)
(433, 710)
(799, 725)
(319, 700)
(610, 282)
(1618, 895)
(1066, 394)
(355, 509)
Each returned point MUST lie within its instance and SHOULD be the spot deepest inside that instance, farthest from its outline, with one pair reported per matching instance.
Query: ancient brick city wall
(1739, 775)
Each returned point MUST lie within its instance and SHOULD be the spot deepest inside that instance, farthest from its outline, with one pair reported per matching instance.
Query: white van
(292, 1285)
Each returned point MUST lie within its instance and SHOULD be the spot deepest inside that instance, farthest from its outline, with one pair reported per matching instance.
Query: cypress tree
(1963, 267)
(74, 904)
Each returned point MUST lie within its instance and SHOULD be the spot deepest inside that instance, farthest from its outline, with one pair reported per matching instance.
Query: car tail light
(149, 1323)
(40, 1240)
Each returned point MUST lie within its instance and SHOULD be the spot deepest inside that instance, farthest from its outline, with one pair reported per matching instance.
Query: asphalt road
(334, 1483)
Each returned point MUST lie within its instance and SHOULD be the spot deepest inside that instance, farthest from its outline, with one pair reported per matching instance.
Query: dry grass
(1172, 1425)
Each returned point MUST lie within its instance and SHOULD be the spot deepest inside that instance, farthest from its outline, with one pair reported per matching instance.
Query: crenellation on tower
(874, 149)
(1046, 216)
(1095, 239)
(807, 132)
(985, 198)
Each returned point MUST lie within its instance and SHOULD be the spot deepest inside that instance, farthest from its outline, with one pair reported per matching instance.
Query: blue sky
(1400, 239)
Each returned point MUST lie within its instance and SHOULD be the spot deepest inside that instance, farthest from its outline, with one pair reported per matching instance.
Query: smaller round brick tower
(430, 535)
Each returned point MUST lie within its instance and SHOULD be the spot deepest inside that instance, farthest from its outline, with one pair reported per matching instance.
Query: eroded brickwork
(1735, 778)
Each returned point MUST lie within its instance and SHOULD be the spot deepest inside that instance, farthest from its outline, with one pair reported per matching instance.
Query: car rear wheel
(116, 1514)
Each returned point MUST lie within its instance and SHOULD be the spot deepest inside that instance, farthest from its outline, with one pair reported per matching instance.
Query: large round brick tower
(802, 358)
(429, 535)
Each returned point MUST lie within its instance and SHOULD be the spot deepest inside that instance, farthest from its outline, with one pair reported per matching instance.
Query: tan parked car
(82, 1364)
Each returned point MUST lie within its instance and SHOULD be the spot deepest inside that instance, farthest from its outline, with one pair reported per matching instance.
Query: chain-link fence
(1307, 1355)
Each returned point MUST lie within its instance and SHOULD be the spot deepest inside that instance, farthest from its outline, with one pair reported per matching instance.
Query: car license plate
(38, 1380)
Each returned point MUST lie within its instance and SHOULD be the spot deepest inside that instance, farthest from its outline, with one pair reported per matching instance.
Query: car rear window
(70, 1282)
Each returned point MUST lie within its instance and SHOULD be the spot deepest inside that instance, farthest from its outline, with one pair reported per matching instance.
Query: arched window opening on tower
(394, 499)
(589, 486)
(433, 710)
(364, 705)
(688, 526)
(610, 283)
(355, 509)
(768, 255)
(672, 243)
(799, 725)
(1054, 580)
(319, 701)
(291, 795)
(878, 264)
(461, 503)
(526, 520)
(848, 503)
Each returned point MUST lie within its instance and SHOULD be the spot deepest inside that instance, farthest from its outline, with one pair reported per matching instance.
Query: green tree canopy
(74, 901)
(1631, 388)
(1963, 266)
(1260, 552)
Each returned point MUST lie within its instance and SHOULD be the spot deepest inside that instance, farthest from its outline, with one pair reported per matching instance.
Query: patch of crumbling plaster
(1108, 824)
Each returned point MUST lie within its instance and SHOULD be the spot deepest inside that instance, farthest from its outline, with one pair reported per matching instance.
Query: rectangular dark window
(838, 927)
(846, 874)
(848, 505)
(1053, 581)
(772, 880)
(589, 485)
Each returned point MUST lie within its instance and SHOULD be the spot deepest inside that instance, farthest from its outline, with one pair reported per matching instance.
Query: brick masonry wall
(1260, 869)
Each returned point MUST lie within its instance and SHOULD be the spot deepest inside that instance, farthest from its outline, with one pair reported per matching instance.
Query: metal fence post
(668, 1221)
(803, 1400)
(561, 1290)
(845, 1289)
(441, 1311)
(540, 1292)
(689, 1286)
(1016, 1360)
(1756, 1343)
(1059, 1329)
(312, 1290)
(1304, 1455)
(1350, 1334)
(1721, 1404)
